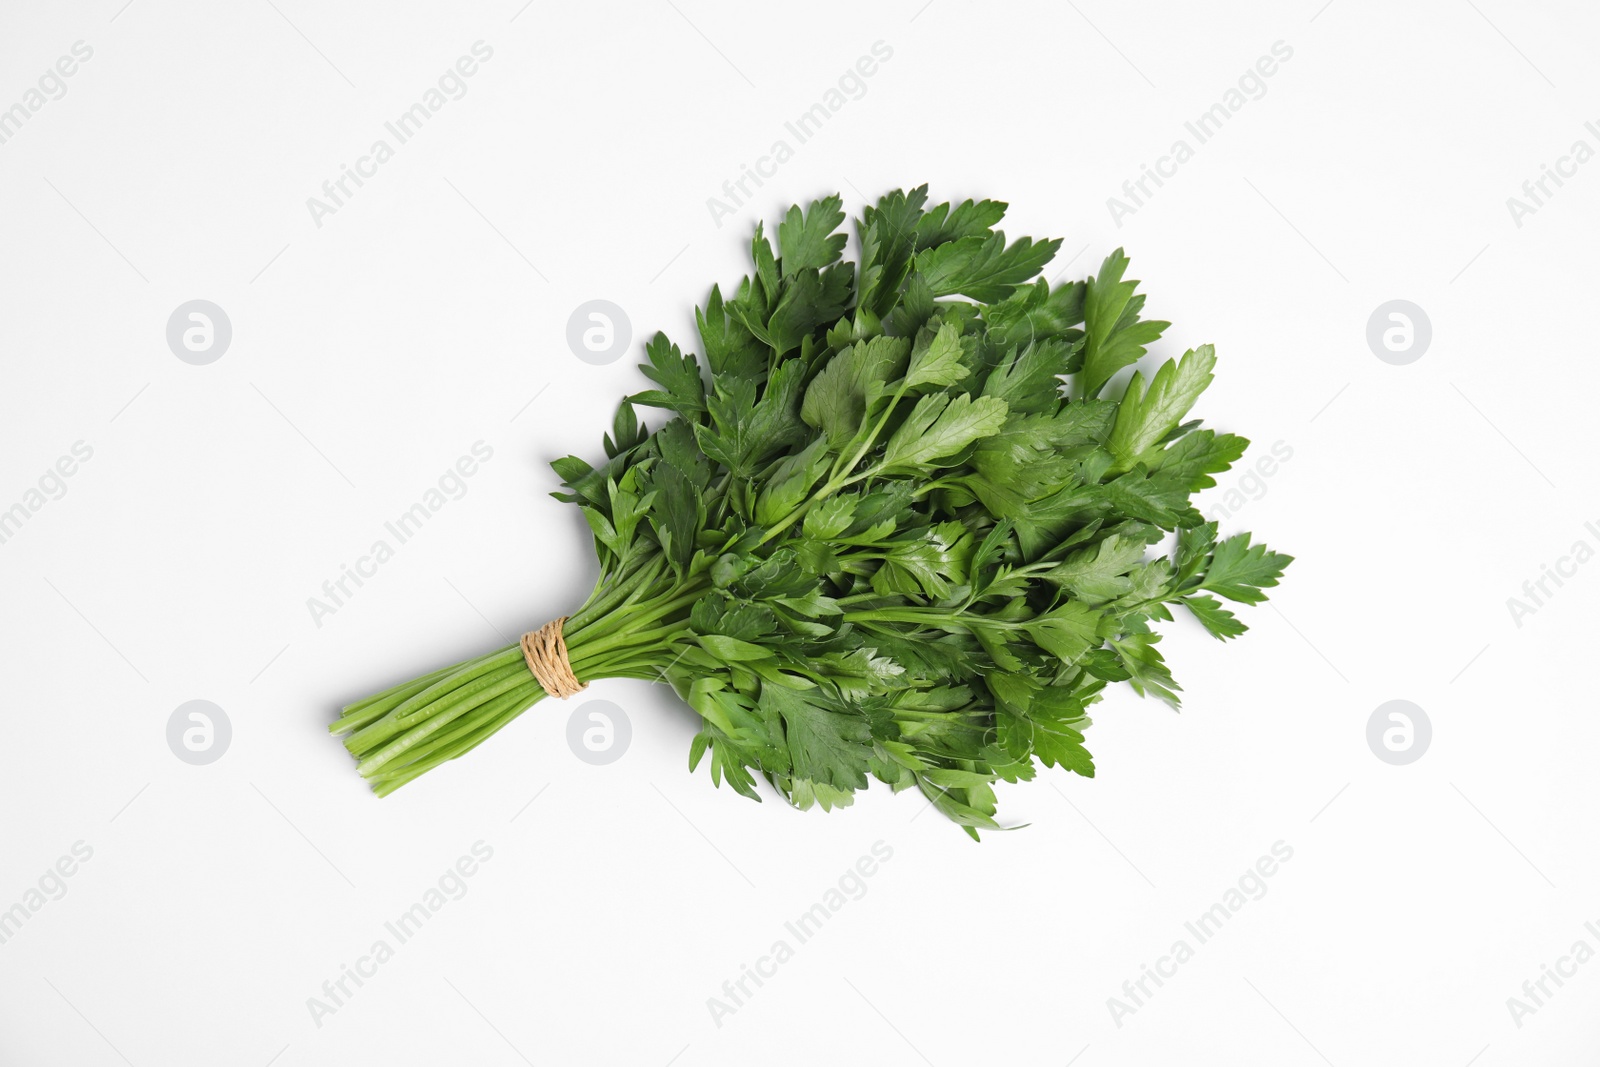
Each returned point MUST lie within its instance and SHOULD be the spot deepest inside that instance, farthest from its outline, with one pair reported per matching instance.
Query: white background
(424, 315)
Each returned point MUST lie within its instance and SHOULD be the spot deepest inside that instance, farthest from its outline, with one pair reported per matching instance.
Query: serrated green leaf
(942, 222)
(1148, 415)
(1217, 619)
(1240, 571)
(1114, 335)
(984, 268)
(939, 361)
(826, 746)
(807, 241)
(938, 428)
(836, 400)
(682, 389)
(1099, 572)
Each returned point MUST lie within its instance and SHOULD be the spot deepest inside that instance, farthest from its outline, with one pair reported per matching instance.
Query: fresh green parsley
(898, 523)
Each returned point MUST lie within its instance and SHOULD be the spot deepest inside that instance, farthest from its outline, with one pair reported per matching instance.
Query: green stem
(625, 628)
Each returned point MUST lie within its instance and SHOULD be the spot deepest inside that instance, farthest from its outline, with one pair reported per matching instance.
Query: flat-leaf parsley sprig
(896, 528)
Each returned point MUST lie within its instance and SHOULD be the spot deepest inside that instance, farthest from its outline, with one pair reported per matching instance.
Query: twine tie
(545, 651)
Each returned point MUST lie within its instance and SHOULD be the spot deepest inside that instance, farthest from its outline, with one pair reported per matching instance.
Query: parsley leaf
(1114, 335)
(808, 240)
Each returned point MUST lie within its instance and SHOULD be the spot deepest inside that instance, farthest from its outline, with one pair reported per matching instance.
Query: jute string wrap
(546, 652)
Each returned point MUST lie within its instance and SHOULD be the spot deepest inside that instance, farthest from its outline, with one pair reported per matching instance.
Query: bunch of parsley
(896, 530)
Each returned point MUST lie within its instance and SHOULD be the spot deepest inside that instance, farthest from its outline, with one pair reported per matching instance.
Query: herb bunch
(896, 530)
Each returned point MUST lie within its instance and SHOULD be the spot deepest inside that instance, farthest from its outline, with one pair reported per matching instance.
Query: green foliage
(893, 529)
(960, 549)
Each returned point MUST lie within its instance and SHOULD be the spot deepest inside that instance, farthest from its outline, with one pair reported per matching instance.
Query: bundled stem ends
(620, 632)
